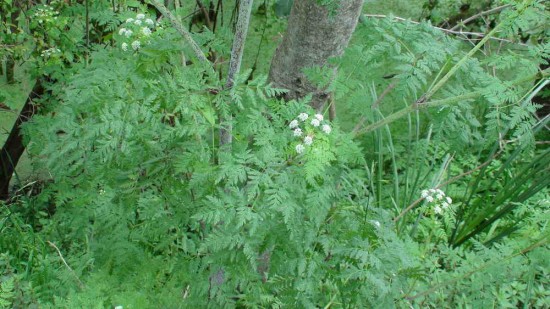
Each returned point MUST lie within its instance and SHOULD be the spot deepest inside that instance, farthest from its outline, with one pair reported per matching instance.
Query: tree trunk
(14, 147)
(313, 36)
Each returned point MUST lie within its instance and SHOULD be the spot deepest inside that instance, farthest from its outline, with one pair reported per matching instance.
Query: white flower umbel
(137, 22)
(315, 122)
(438, 199)
(303, 116)
(140, 16)
(128, 33)
(298, 132)
(308, 140)
(326, 128)
(136, 45)
(293, 124)
(150, 22)
(124, 46)
(424, 193)
(146, 31)
(300, 148)
(319, 117)
(130, 20)
(122, 31)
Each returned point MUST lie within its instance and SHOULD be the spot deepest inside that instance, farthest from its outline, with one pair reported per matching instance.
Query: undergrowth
(444, 205)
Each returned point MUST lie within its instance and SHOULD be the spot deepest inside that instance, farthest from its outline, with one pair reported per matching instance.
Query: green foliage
(145, 210)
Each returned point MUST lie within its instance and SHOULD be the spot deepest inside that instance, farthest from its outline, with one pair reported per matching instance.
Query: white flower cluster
(310, 126)
(136, 31)
(50, 52)
(438, 198)
(46, 14)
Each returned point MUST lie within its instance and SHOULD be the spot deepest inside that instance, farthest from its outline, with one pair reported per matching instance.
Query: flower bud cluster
(438, 199)
(310, 126)
(136, 31)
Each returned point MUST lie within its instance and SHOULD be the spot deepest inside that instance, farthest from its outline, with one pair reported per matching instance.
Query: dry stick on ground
(80, 284)
(179, 27)
(484, 13)
(245, 8)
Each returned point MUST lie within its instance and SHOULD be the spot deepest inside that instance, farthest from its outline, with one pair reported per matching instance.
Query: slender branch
(450, 31)
(473, 17)
(179, 27)
(245, 8)
(206, 14)
(80, 284)
(386, 91)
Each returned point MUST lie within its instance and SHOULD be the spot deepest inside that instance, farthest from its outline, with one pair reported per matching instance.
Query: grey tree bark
(313, 36)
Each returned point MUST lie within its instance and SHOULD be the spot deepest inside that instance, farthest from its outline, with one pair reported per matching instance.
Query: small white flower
(293, 124)
(122, 31)
(449, 200)
(440, 192)
(128, 33)
(424, 193)
(319, 116)
(149, 21)
(130, 20)
(300, 148)
(439, 197)
(140, 16)
(315, 122)
(146, 31)
(445, 205)
(308, 140)
(438, 210)
(432, 190)
(376, 223)
(119, 307)
(124, 46)
(429, 199)
(136, 45)
(297, 132)
(303, 116)
(137, 22)
(326, 128)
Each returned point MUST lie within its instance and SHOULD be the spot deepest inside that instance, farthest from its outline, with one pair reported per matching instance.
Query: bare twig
(484, 13)
(80, 284)
(464, 33)
(205, 13)
(179, 27)
(386, 91)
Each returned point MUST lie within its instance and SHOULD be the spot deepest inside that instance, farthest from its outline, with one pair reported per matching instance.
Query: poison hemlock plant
(151, 212)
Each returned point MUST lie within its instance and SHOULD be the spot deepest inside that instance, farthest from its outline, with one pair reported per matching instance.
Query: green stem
(435, 103)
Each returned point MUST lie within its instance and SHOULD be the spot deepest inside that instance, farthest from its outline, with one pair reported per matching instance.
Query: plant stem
(435, 103)
(179, 27)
